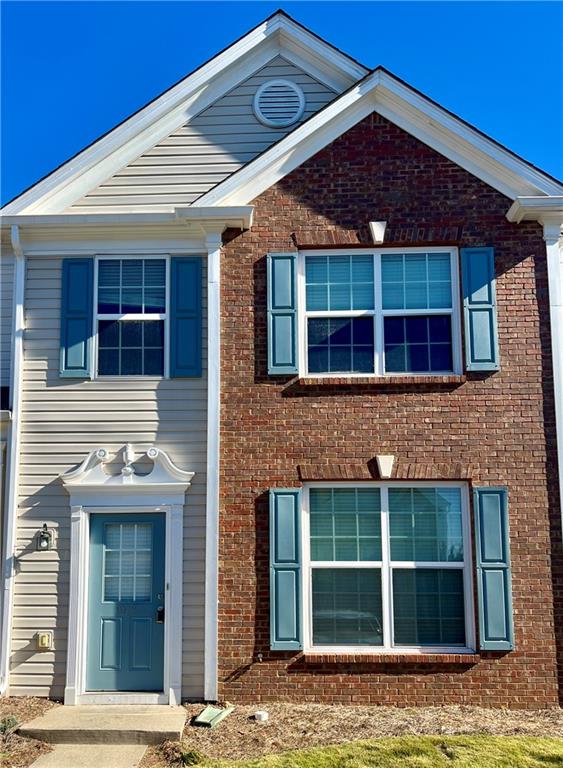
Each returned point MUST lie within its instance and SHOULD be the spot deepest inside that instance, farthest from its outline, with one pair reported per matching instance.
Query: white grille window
(279, 103)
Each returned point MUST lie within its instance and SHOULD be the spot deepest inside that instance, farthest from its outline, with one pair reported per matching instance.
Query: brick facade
(498, 429)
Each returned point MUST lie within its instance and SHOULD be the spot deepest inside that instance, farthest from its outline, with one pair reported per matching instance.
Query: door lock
(160, 614)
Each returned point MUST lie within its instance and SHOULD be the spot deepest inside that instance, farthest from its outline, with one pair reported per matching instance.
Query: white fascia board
(228, 216)
(181, 103)
(302, 143)
(409, 110)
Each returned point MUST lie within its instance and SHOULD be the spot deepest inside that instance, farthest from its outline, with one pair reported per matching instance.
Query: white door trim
(75, 689)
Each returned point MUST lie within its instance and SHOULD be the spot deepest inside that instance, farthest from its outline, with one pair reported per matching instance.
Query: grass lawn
(411, 752)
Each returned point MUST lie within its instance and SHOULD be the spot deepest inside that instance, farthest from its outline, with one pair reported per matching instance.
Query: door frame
(75, 689)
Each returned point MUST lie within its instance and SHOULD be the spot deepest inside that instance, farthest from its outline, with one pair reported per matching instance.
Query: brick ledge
(463, 659)
(380, 381)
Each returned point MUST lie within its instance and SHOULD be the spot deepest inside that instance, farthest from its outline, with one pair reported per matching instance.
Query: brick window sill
(461, 659)
(381, 381)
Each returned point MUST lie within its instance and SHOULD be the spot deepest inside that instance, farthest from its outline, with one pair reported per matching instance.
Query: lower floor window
(388, 566)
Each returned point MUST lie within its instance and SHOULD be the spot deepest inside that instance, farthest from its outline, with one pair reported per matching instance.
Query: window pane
(109, 273)
(418, 344)
(345, 524)
(428, 606)
(108, 333)
(425, 524)
(155, 272)
(339, 282)
(155, 300)
(108, 301)
(416, 281)
(108, 362)
(131, 272)
(132, 333)
(132, 300)
(340, 344)
(347, 606)
(131, 362)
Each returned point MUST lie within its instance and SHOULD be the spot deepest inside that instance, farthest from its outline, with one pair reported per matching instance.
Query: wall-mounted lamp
(44, 539)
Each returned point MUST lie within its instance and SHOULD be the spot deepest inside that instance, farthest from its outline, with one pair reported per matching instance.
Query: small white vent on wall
(279, 103)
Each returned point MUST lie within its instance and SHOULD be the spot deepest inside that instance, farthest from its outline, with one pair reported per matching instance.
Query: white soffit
(277, 35)
(411, 111)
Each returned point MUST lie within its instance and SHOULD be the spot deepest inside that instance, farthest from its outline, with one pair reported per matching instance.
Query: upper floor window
(131, 316)
(382, 313)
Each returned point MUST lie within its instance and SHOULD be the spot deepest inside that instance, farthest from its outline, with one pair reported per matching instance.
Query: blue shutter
(76, 317)
(185, 316)
(493, 569)
(285, 570)
(480, 309)
(282, 313)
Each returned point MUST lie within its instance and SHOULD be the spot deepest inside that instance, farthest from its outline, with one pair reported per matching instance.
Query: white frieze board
(91, 484)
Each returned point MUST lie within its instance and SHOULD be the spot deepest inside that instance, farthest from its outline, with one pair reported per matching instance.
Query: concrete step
(92, 756)
(107, 724)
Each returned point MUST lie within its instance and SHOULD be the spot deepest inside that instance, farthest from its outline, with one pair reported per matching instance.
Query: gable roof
(183, 101)
(361, 92)
(383, 92)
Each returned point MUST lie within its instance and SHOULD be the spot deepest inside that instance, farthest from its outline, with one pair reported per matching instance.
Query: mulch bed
(16, 752)
(300, 726)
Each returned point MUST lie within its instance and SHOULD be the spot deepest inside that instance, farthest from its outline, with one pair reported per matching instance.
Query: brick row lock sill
(378, 382)
(414, 659)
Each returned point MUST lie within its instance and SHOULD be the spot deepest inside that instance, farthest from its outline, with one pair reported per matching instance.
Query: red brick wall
(500, 425)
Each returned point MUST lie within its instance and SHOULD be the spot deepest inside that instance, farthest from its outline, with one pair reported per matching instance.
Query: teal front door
(125, 644)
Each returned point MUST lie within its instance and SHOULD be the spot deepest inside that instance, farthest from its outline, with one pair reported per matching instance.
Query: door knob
(160, 614)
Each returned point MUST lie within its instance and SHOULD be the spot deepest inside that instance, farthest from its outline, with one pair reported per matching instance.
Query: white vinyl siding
(205, 151)
(6, 310)
(62, 420)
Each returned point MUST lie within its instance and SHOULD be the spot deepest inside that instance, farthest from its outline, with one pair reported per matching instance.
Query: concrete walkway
(113, 736)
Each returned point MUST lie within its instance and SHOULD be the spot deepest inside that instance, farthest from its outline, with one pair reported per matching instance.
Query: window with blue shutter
(76, 317)
(494, 586)
(480, 309)
(185, 316)
(282, 313)
(285, 570)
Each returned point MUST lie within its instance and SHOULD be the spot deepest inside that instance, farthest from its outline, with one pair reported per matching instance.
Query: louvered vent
(279, 103)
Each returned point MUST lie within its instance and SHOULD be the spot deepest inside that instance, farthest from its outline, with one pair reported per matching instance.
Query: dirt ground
(293, 726)
(16, 752)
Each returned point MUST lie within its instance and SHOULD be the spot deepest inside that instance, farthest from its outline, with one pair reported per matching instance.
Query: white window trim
(379, 313)
(386, 589)
(135, 316)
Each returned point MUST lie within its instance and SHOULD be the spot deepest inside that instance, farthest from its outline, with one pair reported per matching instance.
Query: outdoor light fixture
(44, 539)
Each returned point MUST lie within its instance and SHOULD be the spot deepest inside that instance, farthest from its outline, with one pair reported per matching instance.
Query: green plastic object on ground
(211, 716)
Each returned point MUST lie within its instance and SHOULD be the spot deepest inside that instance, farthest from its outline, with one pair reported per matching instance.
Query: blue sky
(73, 70)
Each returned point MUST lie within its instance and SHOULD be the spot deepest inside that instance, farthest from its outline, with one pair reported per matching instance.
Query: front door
(126, 603)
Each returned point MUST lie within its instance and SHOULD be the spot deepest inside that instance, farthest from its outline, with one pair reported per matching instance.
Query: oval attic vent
(279, 103)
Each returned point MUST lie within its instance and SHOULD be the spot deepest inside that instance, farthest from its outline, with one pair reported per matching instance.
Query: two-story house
(285, 384)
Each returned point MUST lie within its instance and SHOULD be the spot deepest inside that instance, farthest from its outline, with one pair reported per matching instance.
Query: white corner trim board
(13, 460)
(92, 490)
(213, 437)
(548, 211)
